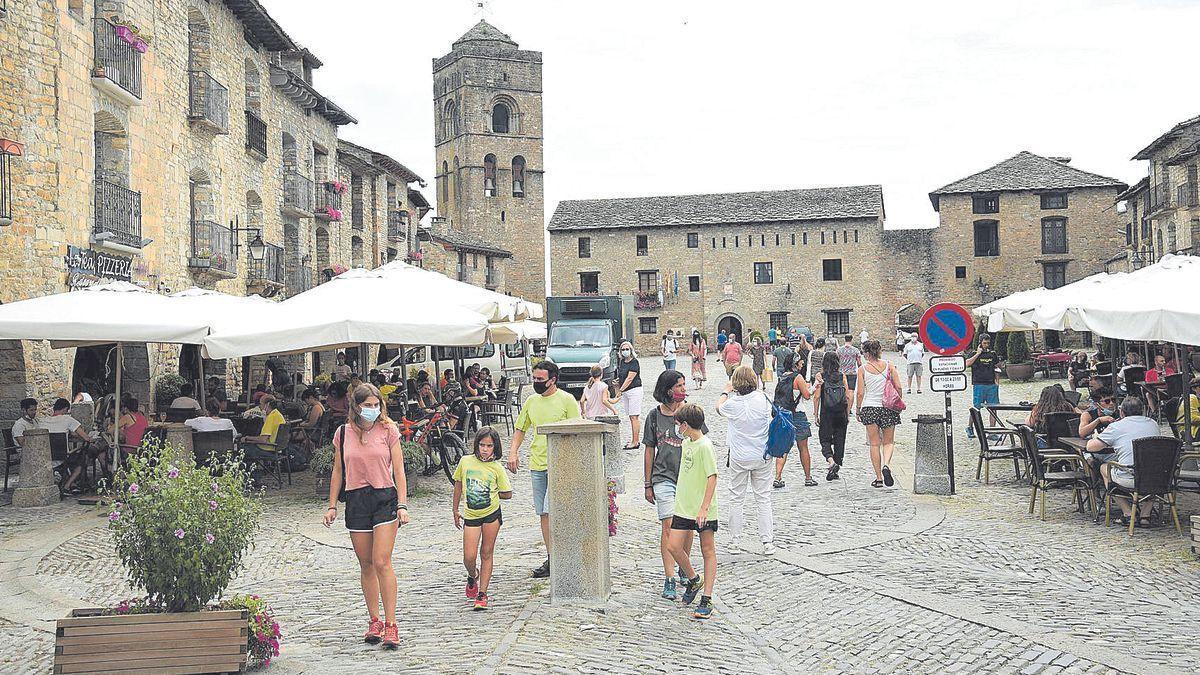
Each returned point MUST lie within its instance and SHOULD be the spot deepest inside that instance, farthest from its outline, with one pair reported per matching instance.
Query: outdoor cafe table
(1056, 360)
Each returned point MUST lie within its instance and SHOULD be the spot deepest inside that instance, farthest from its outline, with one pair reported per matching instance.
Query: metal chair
(177, 415)
(496, 412)
(1155, 462)
(210, 445)
(12, 454)
(1187, 472)
(1176, 387)
(277, 448)
(1043, 478)
(989, 452)
(1060, 425)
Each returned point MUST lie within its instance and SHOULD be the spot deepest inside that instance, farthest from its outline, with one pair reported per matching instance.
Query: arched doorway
(731, 324)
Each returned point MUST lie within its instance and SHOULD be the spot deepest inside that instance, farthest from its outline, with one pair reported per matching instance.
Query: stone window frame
(585, 247)
(648, 325)
(1054, 274)
(641, 243)
(837, 321)
(1054, 235)
(988, 247)
(1046, 203)
(647, 281)
(693, 283)
(592, 276)
(513, 126)
(693, 240)
(489, 175)
(831, 269)
(764, 272)
(960, 272)
(985, 203)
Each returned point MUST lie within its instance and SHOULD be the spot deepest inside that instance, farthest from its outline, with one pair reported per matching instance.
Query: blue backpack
(781, 435)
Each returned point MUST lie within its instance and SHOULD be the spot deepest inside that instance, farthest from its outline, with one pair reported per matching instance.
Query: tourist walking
(914, 354)
(484, 482)
(748, 413)
(594, 401)
(699, 351)
(722, 340)
(669, 348)
(660, 463)
(880, 421)
(758, 357)
(850, 358)
(831, 410)
(368, 474)
(777, 358)
(863, 337)
(629, 379)
(696, 508)
(732, 356)
(551, 404)
(785, 398)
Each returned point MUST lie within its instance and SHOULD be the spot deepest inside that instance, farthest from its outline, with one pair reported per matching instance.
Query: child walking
(485, 482)
(695, 507)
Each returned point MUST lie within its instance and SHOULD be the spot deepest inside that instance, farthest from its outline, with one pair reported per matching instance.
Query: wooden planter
(187, 642)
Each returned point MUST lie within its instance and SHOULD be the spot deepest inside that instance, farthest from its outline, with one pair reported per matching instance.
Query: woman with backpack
(748, 413)
(785, 399)
(831, 409)
(871, 405)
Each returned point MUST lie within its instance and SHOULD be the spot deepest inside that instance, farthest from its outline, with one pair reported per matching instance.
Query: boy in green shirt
(695, 507)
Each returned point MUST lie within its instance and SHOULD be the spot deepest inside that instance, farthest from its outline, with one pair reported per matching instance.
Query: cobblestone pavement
(865, 580)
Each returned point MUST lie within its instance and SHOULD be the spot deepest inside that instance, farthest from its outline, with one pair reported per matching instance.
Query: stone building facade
(159, 140)
(487, 96)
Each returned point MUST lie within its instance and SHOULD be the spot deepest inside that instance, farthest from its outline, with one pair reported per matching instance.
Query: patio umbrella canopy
(355, 307)
(1044, 309)
(512, 332)
(1158, 302)
(494, 306)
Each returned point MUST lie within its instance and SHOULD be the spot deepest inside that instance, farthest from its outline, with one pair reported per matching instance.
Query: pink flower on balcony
(332, 213)
(338, 187)
(338, 269)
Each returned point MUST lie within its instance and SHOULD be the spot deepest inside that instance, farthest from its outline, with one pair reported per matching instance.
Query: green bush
(1001, 344)
(414, 456)
(166, 389)
(321, 461)
(1018, 348)
(181, 530)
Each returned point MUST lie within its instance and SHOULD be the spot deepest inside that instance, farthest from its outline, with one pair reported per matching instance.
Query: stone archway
(732, 325)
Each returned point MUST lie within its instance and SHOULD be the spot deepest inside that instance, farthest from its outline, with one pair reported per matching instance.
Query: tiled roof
(1141, 186)
(382, 161)
(469, 242)
(484, 32)
(1025, 171)
(1186, 127)
(853, 201)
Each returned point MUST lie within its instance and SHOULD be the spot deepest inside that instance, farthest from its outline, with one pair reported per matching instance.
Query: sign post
(947, 330)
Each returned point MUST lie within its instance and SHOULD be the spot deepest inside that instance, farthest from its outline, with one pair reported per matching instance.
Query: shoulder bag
(891, 395)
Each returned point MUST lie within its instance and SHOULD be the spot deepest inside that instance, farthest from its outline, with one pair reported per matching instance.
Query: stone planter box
(1021, 372)
(188, 642)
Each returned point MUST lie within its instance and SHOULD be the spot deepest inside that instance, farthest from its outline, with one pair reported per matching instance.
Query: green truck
(583, 331)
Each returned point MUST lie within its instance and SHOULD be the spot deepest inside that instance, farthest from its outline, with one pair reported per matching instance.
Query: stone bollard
(179, 437)
(37, 486)
(578, 503)
(931, 473)
(614, 452)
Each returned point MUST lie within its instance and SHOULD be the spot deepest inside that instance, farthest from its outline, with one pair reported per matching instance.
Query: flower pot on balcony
(1021, 372)
(89, 641)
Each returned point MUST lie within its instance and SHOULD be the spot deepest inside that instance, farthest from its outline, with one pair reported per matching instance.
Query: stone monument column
(37, 486)
(179, 437)
(578, 504)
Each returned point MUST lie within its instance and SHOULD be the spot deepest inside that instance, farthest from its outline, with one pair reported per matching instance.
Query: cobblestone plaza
(864, 580)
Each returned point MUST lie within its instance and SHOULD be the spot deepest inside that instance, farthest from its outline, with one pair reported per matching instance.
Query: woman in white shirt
(749, 417)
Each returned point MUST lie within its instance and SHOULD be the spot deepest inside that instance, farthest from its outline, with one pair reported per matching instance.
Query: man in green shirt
(551, 404)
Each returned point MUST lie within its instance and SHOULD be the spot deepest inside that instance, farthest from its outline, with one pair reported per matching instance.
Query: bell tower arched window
(518, 176)
(489, 175)
(501, 117)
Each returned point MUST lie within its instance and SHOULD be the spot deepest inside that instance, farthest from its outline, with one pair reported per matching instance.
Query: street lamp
(258, 249)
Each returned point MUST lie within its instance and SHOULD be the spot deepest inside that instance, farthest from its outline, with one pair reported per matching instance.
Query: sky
(656, 97)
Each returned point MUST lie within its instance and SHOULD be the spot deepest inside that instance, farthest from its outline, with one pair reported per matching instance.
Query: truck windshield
(580, 335)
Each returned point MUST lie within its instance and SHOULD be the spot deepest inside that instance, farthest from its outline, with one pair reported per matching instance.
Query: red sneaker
(374, 632)
(481, 602)
(391, 636)
(472, 588)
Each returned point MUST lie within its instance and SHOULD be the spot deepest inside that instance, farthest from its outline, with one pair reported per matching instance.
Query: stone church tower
(487, 97)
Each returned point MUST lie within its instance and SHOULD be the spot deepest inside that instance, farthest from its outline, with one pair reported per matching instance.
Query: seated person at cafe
(259, 391)
(213, 420)
(1120, 436)
(341, 372)
(185, 400)
(1051, 401)
(1160, 371)
(1132, 360)
(338, 401)
(355, 381)
(485, 380)
(213, 385)
(59, 422)
(387, 388)
(1077, 369)
(1099, 414)
(447, 377)
(133, 423)
(255, 447)
(1194, 399)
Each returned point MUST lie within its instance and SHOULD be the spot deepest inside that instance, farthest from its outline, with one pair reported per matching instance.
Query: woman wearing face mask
(629, 375)
(369, 463)
(699, 352)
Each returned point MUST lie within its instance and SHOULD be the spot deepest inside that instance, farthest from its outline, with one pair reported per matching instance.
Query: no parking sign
(946, 329)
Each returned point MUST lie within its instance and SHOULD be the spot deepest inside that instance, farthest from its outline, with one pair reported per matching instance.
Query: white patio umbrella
(1157, 302)
(1007, 313)
(494, 306)
(511, 332)
(358, 306)
(213, 306)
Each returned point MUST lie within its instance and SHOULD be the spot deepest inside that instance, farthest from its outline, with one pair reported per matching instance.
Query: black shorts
(489, 518)
(681, 523)
(368, 508)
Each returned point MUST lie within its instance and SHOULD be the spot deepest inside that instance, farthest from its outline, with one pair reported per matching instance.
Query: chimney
(1064, 160)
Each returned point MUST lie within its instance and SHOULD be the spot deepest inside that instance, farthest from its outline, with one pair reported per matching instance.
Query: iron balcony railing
(270, 268)
(209, 101)
(118, 214)
(397, 229)
(256, 134)
(328, 198)
(117, 59)
(212, 247)
(297, 192)
(1160, 197)
(1185, 194)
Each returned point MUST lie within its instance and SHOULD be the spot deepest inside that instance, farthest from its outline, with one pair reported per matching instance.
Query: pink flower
(215, 487)
(173, 473)
(114, 516)
(133, 488)
(208, 537)
(179, 534)
(212, 505)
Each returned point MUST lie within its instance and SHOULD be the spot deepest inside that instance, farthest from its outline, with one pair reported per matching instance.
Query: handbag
(768, 375)
(891, 395)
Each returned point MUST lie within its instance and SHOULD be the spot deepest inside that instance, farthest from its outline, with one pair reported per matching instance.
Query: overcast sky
(675, 97)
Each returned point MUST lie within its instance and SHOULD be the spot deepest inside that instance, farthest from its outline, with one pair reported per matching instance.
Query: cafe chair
(495, 413)
(279, 462)
(210, 446)
(12, 454)
(1176, 387)
(1061, 425)
(989, 452)
(1044, 476)
(177, 415)
(1187, 472)
(1154, 471)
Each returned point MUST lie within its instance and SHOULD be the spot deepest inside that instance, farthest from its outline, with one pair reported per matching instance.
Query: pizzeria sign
(86, 262)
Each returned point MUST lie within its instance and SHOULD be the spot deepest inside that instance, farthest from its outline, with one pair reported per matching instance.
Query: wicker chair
(208, 446)
(1044, 478)
(989, 452)
(1155, 464)
(181, 414)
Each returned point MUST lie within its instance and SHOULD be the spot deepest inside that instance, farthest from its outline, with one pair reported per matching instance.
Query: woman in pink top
(369, 463)
(593, 403)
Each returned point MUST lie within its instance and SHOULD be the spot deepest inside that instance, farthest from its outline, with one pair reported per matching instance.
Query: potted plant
(1018, 366)
(414, 462)
(166, 389)
(321, 463)
(181, 532)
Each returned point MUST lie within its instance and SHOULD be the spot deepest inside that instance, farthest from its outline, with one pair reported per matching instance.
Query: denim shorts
(985, 394)
(803, 428)
(540, 483)
(664, 499)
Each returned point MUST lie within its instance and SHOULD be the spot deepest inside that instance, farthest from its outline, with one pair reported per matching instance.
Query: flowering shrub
(647, 300)
(612, 507)
(264, 634)
(181, 530)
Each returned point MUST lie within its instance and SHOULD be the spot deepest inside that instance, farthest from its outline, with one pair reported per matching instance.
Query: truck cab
(583, 331)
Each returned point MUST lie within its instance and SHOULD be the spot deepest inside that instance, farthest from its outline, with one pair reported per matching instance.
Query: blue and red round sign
(946, 329)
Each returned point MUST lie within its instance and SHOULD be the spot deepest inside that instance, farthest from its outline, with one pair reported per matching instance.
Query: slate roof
(486, 33)
(1184, 128)
(1139, 187)
(1025, 171)
(468, 242)
(828, 203)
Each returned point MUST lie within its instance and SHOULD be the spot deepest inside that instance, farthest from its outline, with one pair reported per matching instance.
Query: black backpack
(833, 398)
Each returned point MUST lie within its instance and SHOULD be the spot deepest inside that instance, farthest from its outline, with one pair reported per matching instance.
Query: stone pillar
(578, 503)
(614, 451)
(37, 486)
(179, 437)
(931, 471)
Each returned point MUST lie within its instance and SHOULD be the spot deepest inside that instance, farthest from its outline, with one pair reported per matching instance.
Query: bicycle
(444, 446)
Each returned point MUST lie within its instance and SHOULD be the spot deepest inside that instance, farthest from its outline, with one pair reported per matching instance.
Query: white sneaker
(768, 548)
